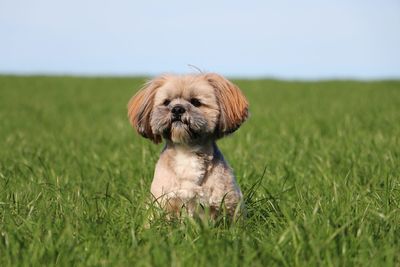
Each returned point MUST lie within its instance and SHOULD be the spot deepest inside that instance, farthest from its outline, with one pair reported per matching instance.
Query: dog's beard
(190, 128)
(180, 132)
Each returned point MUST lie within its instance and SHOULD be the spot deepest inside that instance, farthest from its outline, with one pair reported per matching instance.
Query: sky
(306, 39)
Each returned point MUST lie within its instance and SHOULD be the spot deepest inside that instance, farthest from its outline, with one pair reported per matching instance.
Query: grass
(318, 162)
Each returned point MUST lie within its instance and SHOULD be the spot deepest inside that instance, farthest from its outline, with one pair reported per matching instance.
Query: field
(318, 162)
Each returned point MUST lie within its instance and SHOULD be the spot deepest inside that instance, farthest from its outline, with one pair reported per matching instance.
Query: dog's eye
(195, 102)
(166, 102)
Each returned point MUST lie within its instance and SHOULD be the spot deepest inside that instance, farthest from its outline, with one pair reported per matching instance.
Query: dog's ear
(233, 104)
(140, 107)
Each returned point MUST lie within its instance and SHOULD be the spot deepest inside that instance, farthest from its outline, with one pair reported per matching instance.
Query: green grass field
(318, 162)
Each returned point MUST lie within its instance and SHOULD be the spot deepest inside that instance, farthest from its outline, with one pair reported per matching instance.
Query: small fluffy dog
(190, 113)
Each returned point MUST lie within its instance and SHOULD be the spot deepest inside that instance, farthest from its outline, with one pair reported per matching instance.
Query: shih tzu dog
(190, 113)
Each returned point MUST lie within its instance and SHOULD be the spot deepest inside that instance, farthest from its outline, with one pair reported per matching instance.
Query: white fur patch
(189, 169)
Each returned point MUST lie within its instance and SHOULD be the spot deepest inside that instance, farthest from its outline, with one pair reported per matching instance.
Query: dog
(191, 112)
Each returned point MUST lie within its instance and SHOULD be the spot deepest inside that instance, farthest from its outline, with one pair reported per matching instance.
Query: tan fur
(233, 104)
(191, 171)
(140, 107)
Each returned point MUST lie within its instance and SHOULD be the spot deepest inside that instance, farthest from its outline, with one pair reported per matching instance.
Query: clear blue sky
(285, 39)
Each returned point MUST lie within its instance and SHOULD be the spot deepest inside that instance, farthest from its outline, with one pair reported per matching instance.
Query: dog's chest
(189, 167)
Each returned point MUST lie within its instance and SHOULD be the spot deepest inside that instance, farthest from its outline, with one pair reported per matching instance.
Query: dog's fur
(191, 171)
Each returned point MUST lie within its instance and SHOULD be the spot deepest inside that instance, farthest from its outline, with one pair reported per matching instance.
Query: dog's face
(187, 109)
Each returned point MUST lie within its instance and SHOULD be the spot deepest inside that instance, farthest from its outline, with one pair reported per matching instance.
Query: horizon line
(230, 76)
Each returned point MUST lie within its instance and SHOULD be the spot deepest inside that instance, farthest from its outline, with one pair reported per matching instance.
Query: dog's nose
(178, 110)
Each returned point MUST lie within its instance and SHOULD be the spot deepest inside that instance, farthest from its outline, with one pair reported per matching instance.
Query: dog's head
(187, 109)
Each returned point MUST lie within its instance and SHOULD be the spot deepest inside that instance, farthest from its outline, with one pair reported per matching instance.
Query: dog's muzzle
(177, 112)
